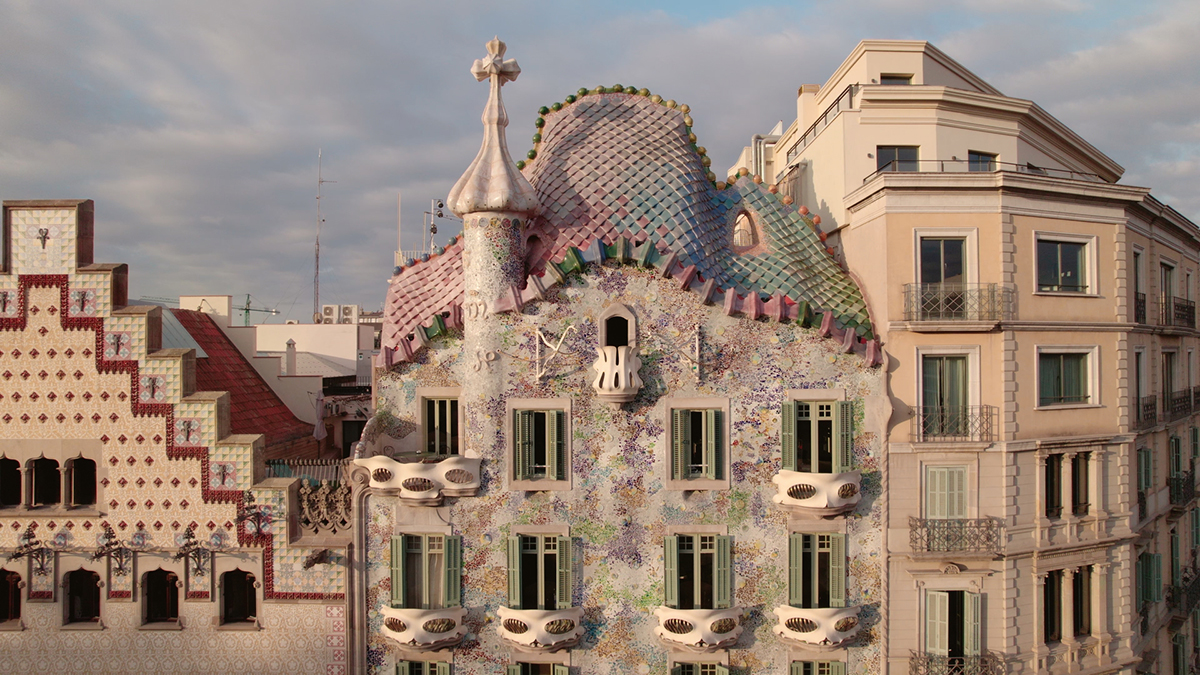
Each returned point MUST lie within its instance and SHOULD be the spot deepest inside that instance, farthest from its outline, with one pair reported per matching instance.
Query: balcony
(967, 166)
(541, 630)
(1183, 488)
(982, 536)
(1147, 412)
(817, 628)
(818, 494)
(425, 483)
(924, 663)
(966, 423)
(1179, 404)
(1184, 597)
(699, 630)
(1139, 308)
(957, 302)
(1177, 312)
(617, 379)
(424, 629)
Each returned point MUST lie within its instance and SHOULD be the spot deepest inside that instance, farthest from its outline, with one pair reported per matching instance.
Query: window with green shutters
(1148, 570)
(1175, 455)
(700, 669)
(1195, 522)
(946, 492)
(1195, 445)
(441, 427)
(817, 570)
(536, 669)
(698, 571)
(817, 436)
(540, 445)
(697, 444)
(817, 668)
(1147, 468)
(426, 571)
(539, 572)
(953, 621)
(422, 668)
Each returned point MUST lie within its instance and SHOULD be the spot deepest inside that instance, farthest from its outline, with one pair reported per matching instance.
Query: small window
(537, 669)
(700, 669)
(239, 598)
(697, 571)
(10, 596)
(980, 161)
(1062, 266)
(81, 482)
(422, 668)
(818, 436)
(10, 482)
(540, 445)
(45, 483)
(697, 444)
(160, 596)
(896, 157)
(1052, 606)
(1080, 489)
(83, 596)
(616, 331)
(426, 571)
(817, 668)
(441, 427)
(539, 572)
(817, 570)
(1062, 378)
(895, 79)
(1081, 599)
(743, 231)
(946, 492)
(1054, 465)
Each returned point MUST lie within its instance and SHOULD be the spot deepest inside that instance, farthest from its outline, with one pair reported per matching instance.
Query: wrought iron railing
(1179, 404)
(1179, 312)
(967, 166)
(1147, 412)
(1139, 308)
(1143, 510)
(1144, 618)
(957, 302)
(924, 663)
(1184, 597)
(1183, 488)
(955, 423)
(978, 535)
(844, 101)
(315, 470)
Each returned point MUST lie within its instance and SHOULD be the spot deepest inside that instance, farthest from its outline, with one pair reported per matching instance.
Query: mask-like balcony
(425, 483)
(617, 378)
(541, 630)
(424, 629)
(823, 628)
(699, 630)
(818, 494)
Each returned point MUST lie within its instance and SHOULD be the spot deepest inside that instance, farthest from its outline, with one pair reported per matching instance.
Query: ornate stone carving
(324, 509)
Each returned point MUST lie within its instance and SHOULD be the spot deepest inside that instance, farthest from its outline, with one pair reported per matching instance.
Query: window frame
(721, 466)
(829, 667)
(975, 156)
(835, 569)
(24, 451)
(1091, 369)
(935, 602)
(16, 589)
(722, 568)
(564, 560)
(404, 667)
(1089, 257)
(147, 592)
(907, 79)
(897, 162)
(927, 511)
(450, 572)
(515, 482)
(842, 430)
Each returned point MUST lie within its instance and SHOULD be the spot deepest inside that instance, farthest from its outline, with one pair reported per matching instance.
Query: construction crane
(246, 309)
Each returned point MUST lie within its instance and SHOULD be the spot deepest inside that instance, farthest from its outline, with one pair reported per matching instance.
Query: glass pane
(1050, 384)
(1072, 271)
(1047, 263)
(931, 261)
(906, 157)
(884, 158)
(952, 267)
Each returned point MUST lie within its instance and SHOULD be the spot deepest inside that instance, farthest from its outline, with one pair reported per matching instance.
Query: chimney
(806, 101)
(289, 363)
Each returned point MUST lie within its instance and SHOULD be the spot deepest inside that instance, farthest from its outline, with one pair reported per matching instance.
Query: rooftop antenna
(246, 309)
(317, 272)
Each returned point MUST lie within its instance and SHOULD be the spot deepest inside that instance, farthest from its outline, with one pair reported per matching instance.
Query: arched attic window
(618, 327)
(45, 482)
(10, 482)
(744, 235)
(81, 482)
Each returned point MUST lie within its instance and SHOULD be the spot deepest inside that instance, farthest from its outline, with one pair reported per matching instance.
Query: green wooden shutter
(973, 620)
(796, 570)
(556, 436)
(677, 670)
(843, 456)
(713, 431)
(956, 492)
(796, 668)
(935, 492)
(513, 669)
(398, 571)
(671, 571)
(404, 668)
(723, 574)
(452, 588)
(1139, 586)
(560, 669)
(722, 669)
(1195, 444)
(522, 443)
(566, 582)
(514, 572)
(787, 435)
(681, 443)
(1196, 532)
(1156, 577)
(837, 570)
(837, 668)
(1153, 467)
(937, 622)
(1176, 445)
(441, 668)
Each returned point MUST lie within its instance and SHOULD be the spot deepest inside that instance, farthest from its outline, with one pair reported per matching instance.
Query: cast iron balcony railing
(1184, 597)
(1180, 404)
(955, 535)
(1175, 311)
(924, 663)
(1147, 412)
(1143, 510)
(957, 302)
(964, 423)
(1144, 617)
(1139, 308)
(1183, 488)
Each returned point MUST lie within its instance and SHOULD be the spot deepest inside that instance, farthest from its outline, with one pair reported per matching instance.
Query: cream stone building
(1040, 332)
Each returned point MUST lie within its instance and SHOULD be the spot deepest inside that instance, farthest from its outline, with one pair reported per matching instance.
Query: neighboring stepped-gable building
(1040, 325)
(138, 532)
(631, 420)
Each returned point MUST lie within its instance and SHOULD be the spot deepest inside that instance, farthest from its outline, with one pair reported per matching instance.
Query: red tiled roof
(254, 407)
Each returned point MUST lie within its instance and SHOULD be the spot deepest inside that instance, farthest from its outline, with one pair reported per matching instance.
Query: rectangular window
(1054, 485)
(1179, 655)
(1080, 489)
(441, 427)
(981, 161)
(1052, 606)
(1081, 598)
(817, 668)
(1195, 523)
(426, 571)
(896, 157)
(537, 669)
(1168, 378)
(1148, 570)
(895, 79)
(422, 668)
(818, 437)
(1061, 266)
(698, 571)
(952, 624)
(697, 444)
(943, 260)
(946, 492)
(817, 570)
(539, 572)
(1166, 282)
(944, 396)
(700, 669)
(1147, 469)
(540, 445)
(1175, 455)
(1062, 378)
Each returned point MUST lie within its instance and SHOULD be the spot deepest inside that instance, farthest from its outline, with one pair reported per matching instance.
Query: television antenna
(317, 272)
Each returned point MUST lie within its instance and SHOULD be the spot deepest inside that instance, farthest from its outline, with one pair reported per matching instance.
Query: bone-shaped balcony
(617, 379)
(819, 494)
(424, 629)
(541, 630)
(425, 483)
(818, 628)
(699, 630)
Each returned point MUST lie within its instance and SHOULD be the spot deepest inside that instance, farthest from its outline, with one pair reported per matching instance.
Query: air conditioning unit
(329, 313)
(349, 314)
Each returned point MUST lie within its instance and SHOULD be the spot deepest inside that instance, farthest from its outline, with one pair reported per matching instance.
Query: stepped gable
(254, 407)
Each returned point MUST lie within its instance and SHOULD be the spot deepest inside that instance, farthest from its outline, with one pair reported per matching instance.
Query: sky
(195, 126)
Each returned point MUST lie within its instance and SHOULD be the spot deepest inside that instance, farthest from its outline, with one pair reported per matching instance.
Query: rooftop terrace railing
(977, 166)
